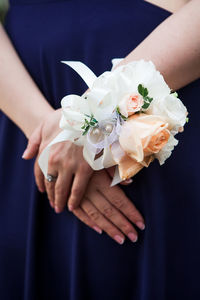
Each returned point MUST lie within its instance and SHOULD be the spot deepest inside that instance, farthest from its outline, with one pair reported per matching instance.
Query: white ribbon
(86, 74)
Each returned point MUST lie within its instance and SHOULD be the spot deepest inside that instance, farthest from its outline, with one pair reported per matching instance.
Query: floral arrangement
(128, 117)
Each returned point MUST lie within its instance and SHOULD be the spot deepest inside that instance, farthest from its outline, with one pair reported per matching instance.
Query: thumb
(111, 172)
(33, 145)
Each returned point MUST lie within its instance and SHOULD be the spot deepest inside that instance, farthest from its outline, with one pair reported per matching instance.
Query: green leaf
(148, 99)
(140, 89)
(86, 130)
(187, 120)
(88, 116)
(92, 122)
(117, 109)
(86, 121)
(147, 102)
(145, 92)
(145, 105)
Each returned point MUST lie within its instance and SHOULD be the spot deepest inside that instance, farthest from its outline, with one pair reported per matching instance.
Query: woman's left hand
(108, 208)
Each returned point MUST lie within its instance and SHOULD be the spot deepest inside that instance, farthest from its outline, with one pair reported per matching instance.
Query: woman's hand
(108, 208)
(102, 207)
(66, 163)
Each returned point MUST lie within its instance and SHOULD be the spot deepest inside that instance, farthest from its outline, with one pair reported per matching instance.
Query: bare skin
(101, 206)
(169, 5)
(178, 70)
(16, 86)
(174, 47)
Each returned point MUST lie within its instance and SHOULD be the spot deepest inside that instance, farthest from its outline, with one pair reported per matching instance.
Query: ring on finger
(51, 178)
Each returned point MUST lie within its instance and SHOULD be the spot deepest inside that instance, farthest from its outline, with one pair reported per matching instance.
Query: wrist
(37, 119)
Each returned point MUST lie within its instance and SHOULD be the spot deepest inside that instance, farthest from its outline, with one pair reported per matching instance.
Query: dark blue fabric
(48, 256)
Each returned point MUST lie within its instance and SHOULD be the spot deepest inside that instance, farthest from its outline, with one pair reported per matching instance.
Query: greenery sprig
(144, 93)
(92, 122)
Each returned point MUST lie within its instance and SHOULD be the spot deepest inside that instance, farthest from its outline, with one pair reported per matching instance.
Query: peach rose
(130, 104)
(127, 166)
(143, 135)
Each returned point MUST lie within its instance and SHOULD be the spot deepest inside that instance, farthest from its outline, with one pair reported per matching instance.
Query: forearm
(20, 98)
(174, 47)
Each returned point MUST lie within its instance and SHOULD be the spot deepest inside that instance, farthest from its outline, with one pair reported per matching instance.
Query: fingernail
(41, 190)
(70, 207)
(119, 239)
(140, 225)
(24, 154)
(97, 229)
(132, 236)
(52, 205)
(128, 181)
(57, 209)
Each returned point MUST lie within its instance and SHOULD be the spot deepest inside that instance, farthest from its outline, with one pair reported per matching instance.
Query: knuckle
(84, 167)
(108, 211)
(94, 215)
(134, 215)
(34, 141)
(119, 203)
(67, 164)
(59, 191)
(76, 191)
(53, 159)
(127, 228)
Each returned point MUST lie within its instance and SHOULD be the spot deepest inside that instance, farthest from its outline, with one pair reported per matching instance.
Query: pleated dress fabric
(49, 256)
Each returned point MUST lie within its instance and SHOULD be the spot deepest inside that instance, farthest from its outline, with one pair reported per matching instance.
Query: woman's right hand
(66, 163)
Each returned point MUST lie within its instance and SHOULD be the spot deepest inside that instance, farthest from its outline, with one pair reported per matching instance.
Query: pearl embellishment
(96, 132)
(109, 128)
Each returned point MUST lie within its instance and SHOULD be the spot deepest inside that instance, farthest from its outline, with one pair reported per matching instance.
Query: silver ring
(51, 178)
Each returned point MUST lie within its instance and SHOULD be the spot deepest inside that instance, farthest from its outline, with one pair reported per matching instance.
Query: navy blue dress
(56, 257)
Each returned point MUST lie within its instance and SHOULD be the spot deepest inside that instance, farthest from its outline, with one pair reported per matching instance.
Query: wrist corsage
(128, 117)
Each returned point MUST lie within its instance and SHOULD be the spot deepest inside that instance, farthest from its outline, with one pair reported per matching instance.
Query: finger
(101, 221)
(81, 215)
(119, 200)
(33, 145)
(39, 177)
(126, 182)
(79, 186)
(111, 172)
(50, 189)
(62, 190)
(114, 215)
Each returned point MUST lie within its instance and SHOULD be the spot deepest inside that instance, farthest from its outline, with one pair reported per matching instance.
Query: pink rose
(130, 104)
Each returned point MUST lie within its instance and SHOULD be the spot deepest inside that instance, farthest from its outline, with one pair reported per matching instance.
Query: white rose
(166, 151)
(74, 110)
(170, 108)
